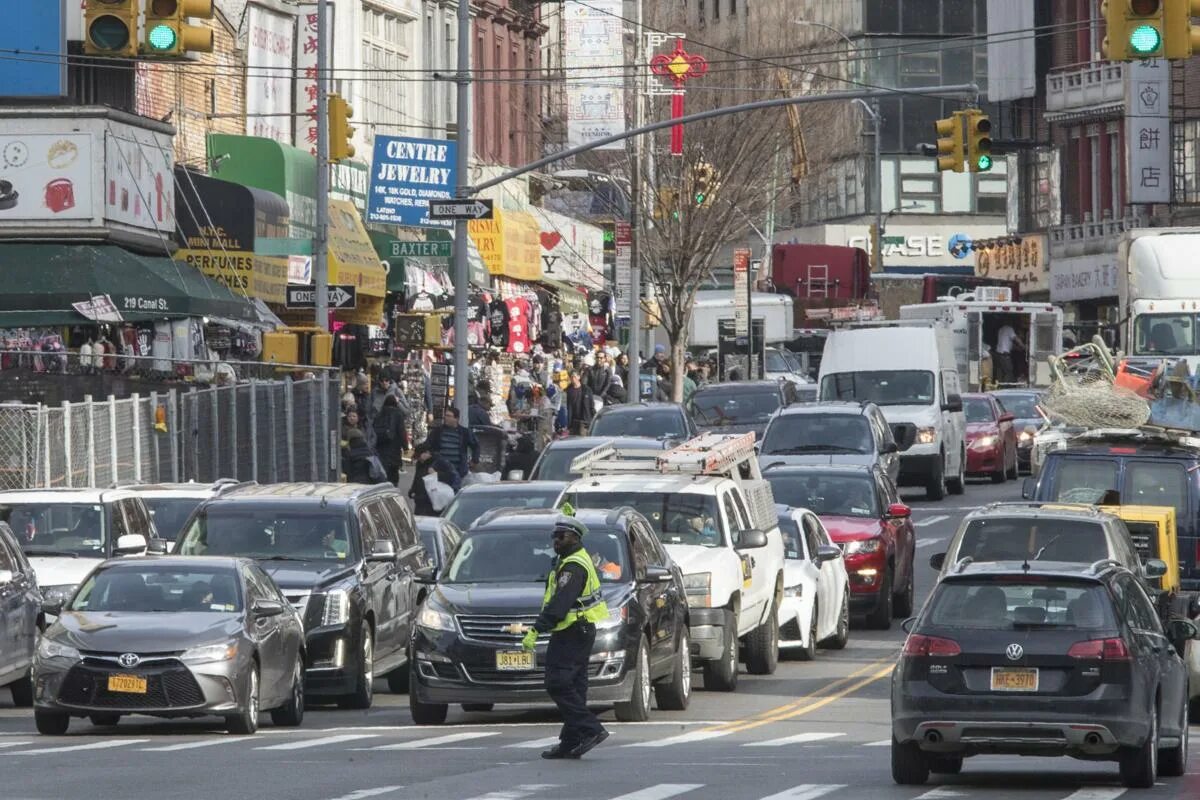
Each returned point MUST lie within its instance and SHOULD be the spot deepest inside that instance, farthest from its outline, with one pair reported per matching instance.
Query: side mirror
(131, 544)
(52, 608)
(382, 550)
(908, 624)
(1029, 488)
(898, 511)
(937, 560)
(1181, 630)
(157, 547)
(425, 575)
(751, 539)
(889, 447)
(6, 576)
(1006, 417)
(516, 475)
(1155, 567)
(657, 575)
(827, 552)
(267, 608)
(953, 403)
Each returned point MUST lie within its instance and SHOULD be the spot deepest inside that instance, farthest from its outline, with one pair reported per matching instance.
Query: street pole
(877, 182)
(462, 78)
(633, 392)
(320, 245)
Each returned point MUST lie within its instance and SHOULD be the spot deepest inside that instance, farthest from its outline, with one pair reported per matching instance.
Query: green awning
(42, 281)
(570, 299)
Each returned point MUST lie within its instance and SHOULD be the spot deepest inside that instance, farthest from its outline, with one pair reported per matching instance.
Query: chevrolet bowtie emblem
(515, 628)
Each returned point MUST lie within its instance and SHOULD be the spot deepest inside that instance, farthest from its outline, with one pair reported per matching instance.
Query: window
(798, 434)
(1138, 610)
(1156, 483)
(676, 518)
(384, 524)
(402, 518)
(120, 523)
(7, 560)
(813, 536)
(1013, 605)
(1020, 538)
(978, 409)
(1165, 334)
(883, 388)
(732, 8)
(384, 49)
(1084, 480)
(367, 532)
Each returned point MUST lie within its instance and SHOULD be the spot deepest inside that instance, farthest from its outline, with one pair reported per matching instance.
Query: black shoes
(559, 751)
(588, 743)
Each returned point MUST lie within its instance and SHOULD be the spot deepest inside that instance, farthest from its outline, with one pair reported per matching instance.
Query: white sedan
(816, 593)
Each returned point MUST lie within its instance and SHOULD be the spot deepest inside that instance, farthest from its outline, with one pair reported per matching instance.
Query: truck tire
(935, 487)
(722, 675)
(762, 645)
(958, 484)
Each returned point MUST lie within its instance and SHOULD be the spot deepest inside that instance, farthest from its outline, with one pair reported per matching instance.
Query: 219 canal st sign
(405, 175)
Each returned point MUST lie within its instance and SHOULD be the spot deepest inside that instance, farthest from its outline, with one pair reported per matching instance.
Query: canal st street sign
(340, 296)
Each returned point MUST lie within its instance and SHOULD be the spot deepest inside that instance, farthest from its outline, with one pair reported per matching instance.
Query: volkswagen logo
(1014, 652)
(129, 659)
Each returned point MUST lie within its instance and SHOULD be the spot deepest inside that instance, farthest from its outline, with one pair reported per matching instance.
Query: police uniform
(571, 607)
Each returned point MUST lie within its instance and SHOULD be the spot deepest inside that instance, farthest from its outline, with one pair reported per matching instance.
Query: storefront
(1023, 261)
(1086, 288)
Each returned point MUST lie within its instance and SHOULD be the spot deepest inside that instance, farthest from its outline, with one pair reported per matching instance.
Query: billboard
(594, 63)
(407, 173)
(270, 50)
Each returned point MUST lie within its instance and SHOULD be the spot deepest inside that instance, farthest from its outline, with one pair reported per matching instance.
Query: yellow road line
(817, 703)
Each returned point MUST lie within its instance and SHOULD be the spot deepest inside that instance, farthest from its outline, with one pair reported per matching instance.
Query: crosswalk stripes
(931, 520)
(940, 794)
(516, 793)
(880, 743)
(305, 744)
(660, 791)
(806, 791)
(437, 741)
(171, 748)
(534, 744)
(683, 738)
(71, 748)
(800, 738)
(14, 744)
(1096, 793)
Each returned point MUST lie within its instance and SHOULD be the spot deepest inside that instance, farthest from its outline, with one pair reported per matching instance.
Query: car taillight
(1103, 649)
(918, 645)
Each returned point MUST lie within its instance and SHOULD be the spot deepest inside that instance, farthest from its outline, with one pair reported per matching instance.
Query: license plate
(1014, 680)
(130, 684)
(514, 660)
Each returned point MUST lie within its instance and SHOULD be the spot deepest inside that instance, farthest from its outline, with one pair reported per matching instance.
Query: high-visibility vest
(590, 606)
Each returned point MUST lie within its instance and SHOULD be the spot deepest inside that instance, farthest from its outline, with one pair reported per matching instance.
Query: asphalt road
(812, 730)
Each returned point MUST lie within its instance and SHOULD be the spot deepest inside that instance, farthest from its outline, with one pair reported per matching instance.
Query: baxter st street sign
(401, 249)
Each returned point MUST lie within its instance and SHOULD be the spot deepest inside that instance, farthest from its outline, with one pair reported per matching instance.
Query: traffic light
(979, 140)
(667, 204)
(703, 183)
(1181, 38)
(111, 28)
(951, 149)
(168, 33)
(1134, 29)
(341, 133)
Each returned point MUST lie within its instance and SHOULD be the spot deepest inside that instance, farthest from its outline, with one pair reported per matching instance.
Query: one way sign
(340, 296)
(460, 208)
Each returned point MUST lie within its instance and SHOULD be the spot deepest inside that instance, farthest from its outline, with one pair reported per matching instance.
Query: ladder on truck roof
(710, 454)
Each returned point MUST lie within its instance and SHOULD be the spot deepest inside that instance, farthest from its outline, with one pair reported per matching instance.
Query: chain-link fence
(269, 431)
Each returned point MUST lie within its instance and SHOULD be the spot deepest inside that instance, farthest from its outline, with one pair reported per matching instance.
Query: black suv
(741, 406)
(465, 650)
(1041, 659)
(344, 556)
(655, 420)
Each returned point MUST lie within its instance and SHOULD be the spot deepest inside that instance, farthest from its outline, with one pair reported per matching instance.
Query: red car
(862, 512)
(991, 439)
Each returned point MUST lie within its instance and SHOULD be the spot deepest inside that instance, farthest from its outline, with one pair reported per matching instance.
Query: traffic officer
(571, 608)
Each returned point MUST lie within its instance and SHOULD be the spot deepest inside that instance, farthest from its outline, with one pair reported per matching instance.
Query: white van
(909, 371)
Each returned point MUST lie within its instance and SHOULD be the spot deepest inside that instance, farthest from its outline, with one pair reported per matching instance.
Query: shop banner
(45, 176)
(594, 61)
(139, 179)
(1024, 262)
(406, 174)
(270, 49)
(509, 244)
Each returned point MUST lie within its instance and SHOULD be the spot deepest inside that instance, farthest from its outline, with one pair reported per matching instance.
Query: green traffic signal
(162, 37)
(700, 198)
(1145, 39)
(984, 163)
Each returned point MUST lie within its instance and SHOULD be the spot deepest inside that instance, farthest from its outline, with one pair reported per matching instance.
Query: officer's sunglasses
(558, 535)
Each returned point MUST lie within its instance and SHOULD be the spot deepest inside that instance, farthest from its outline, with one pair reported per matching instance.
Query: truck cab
(1159, 293)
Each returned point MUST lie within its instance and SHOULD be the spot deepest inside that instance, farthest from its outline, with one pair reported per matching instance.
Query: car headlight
(862, 546)
(48, 648)
(983, 442)
(698, 587)
(207, 653)
(796, 591)
(926, 435)
(59, 594)
(337, 608)
(435, 619)
(616, 618)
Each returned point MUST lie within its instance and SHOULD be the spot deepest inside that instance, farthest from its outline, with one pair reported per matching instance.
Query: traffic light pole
(633, 392)
(320, 245)
(462, 78)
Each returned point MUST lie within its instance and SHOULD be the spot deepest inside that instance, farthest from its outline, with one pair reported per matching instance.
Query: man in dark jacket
(522, 458)
(477, 412)
(455, 443)
(580, 408)
(356, 458)
(391, 437)
(426, 463)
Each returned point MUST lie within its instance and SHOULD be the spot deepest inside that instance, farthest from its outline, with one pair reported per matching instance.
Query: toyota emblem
(1014, 652)
(129, 659)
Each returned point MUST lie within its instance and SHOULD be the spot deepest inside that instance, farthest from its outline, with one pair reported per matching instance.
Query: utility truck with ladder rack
(708, 504)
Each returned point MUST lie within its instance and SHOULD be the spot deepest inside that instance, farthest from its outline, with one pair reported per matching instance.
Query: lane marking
(928, 542)
(534, 744)
(324, 740)
(517, 793)
(799, 738)
(684, 738)
(450, 738)
(360, 794)
(939, 794)
(660, 791)
(1096, 794)
(880, 743)
(806, 791)
(171, 748)
(932, 520)
(819, 703)
(105, 745)
(13, 744)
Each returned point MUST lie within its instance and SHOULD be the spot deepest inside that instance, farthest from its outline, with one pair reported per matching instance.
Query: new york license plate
(1005, 679)
(130, 684)
(514, 660)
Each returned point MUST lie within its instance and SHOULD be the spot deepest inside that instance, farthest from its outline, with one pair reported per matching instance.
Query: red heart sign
(550, 239)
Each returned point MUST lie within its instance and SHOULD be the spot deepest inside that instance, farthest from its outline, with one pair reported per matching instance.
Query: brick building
(506, 53)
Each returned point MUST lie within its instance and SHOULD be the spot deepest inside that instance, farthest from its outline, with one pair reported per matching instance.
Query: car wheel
(762, 645)
(1001, 473)
(881, 618)
(842, 636)
(1016, 466)
(291, 713)
(675, 694)
(364, 691)
(424, 713)
(1172, 762)
(105, 720)
(945, 765)
(722, 675)
(958, 484)
(637, 709)
(1139, 765)
(245, 722)
(478, 706)
(50, 723)
(22, 691)
(902, 604)
(808, 652)
(397, 680)
(1194, 711)
(909, 766)
(935, 489)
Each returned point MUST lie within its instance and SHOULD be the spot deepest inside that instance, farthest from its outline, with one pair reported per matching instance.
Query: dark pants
(1003, 363)
(567, 680)
(393, 473)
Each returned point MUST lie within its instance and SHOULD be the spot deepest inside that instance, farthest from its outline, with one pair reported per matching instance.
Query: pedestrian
(623, 369)
(658, 359)
(1006, 337)
(356, 458)
(571, 607)
(477, 412)
(391, 437)
(522, 458)
(455, 443)
(426, 463)
(349, 423)
(600, 377)
(362, 395)
(579, 404)
(383, 388)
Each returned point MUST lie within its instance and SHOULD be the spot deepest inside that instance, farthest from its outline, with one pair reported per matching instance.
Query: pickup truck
(709, 505)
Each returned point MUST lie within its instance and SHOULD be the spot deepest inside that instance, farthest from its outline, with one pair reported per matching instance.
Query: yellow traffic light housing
(168, 34)
(110, 28)
(341, 133)
(979, 140)
(1135, 29)
(703, 184)
(951, 149)
(1181, 37)
(667, 204)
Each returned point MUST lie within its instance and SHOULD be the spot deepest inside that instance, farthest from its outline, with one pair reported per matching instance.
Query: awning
(570, 299)
(354, 262)
(43, 281)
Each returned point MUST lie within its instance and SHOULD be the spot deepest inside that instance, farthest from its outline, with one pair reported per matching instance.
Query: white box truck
(775, 310)
(1158, 288)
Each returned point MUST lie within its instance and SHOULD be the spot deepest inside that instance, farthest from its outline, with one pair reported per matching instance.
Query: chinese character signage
(306, 75)
(269, 43)
(1148, 130)
(594, 60)
(406, 174)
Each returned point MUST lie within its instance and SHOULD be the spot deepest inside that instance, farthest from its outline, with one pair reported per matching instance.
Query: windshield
(267, 534)
(834, 494)
(731, 407)
(1084, 480)
(1164, 334)
(1021, 538)
(525, 557)
(555, 464)
(676, 518)
(1007, 605)
(1021, 406)
(170, 514)
(977, 409)
(883, 388)
(656, 423)
(63, 529)
(470, 506)
(154, 588)
(776, 362)
(797, 434)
